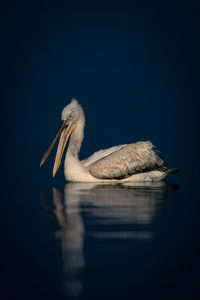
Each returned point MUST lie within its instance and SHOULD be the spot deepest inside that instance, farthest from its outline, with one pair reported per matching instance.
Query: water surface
(111, 239)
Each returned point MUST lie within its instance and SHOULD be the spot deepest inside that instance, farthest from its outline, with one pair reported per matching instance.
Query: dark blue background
(133, 66)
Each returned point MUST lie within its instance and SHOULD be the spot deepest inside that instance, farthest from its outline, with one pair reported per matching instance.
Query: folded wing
(126, 161)
(100, 154)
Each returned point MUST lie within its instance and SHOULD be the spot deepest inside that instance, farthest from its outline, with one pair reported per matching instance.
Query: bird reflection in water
(115, 212)
(71, 234)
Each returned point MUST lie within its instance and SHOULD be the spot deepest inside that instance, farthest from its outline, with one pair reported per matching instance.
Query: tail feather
(172, 171)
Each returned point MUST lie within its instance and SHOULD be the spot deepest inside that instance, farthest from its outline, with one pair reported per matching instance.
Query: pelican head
(71, 116)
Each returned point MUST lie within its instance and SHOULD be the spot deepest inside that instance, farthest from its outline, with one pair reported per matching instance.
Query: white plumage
(136, 162)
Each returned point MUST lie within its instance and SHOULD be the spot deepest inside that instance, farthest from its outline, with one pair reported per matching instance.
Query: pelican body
(136, 162)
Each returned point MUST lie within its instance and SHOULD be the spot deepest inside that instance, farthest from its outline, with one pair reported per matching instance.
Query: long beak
(61, 146)
(66, 131)
(49, 148)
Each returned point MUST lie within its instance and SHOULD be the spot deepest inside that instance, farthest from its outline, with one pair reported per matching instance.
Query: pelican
(136, 162)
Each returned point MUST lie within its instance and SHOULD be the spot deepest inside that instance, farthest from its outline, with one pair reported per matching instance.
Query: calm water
(86, 241)
(134, 68)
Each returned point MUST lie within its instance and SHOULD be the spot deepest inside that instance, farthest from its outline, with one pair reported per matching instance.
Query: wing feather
(100, 154)
(126, 161)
